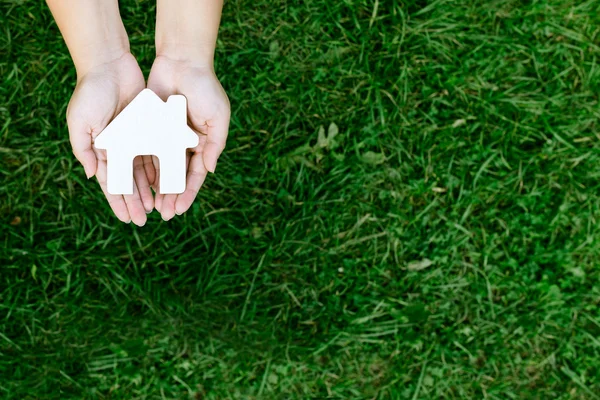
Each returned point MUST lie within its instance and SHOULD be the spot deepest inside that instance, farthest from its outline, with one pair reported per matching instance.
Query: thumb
(215, 142)
(80, 136)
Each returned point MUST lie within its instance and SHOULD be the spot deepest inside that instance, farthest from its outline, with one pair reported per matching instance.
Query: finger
(196, 173)
(216, 140)
(143, 186)
(81, 141)
(116, 202)
(135, 206)
(156, 166)
(149, 168)
(167, 209)
(158, 201)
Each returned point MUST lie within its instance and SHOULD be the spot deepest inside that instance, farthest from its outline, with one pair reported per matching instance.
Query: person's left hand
(208, 115)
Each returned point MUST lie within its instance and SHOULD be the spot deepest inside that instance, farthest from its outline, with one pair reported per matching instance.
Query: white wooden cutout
(148, 125)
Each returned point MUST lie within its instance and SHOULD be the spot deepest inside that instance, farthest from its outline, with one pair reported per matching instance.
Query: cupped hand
(208, 115)
(101, 93)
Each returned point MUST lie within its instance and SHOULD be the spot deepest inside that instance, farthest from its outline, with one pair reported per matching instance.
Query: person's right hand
(101, 93)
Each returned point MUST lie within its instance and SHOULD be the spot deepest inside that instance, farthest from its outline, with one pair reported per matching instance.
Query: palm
(208, 115)
(99, 96)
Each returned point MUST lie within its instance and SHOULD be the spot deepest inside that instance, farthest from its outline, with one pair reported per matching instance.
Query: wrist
(194, 55)
(100, 53)
(93, 31)
(187, 33)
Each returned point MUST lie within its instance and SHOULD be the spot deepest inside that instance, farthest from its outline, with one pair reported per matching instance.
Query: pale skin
(108, 78)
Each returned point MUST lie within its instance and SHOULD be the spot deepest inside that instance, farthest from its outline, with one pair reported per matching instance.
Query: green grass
(407, 208)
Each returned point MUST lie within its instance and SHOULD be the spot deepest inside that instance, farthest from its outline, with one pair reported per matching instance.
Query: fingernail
(148, 212)
(212, 166)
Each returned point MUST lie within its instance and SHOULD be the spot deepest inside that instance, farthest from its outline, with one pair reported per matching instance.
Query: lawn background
(407, 208)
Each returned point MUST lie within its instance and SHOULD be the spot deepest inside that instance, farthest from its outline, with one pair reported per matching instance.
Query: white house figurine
(147, 126)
